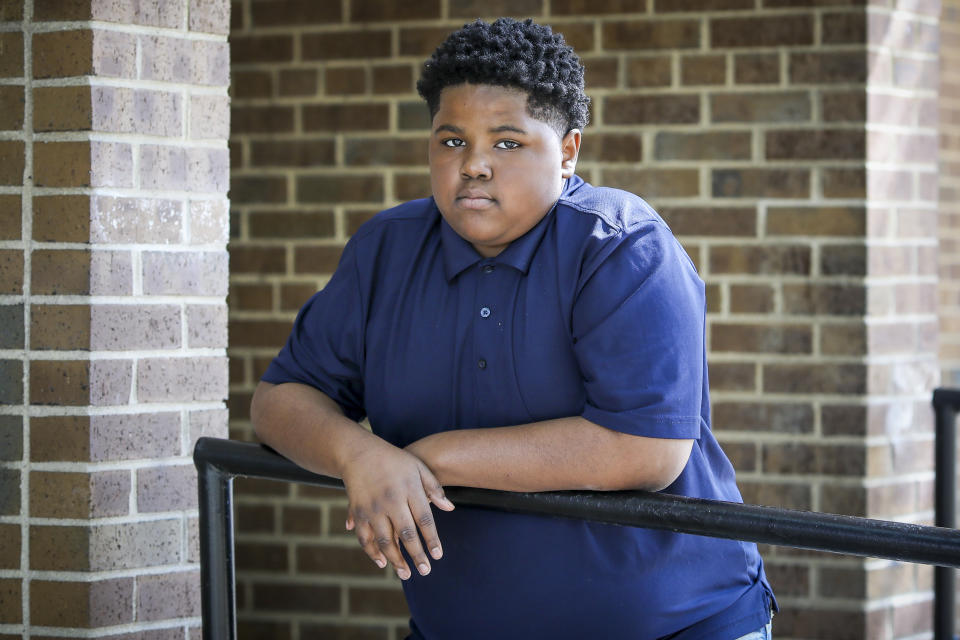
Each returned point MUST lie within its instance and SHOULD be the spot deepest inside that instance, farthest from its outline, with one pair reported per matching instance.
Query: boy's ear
(570, 149)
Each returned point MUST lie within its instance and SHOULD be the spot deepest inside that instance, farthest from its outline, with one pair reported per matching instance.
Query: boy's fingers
(384, 542)
(367, 540)
(407, 533)
(434, 490)
(428, 528)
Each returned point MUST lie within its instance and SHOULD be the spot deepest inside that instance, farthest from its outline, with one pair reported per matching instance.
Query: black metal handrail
(946, 403)
(219, 461)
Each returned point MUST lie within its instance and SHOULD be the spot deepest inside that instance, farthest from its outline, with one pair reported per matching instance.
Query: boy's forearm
(567, 453)
(306, 426)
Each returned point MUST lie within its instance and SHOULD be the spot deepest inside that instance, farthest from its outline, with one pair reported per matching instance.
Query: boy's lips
(474, 199)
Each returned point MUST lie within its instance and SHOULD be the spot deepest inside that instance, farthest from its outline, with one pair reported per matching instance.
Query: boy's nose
(476, 167)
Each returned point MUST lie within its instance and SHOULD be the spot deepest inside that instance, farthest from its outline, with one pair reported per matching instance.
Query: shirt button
(488, 268)
(482, 363)
(485, 312)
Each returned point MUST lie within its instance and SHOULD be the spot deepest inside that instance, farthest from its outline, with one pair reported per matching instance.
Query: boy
(524, 331)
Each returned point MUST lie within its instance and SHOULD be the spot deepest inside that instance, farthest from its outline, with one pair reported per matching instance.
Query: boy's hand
(390, 491)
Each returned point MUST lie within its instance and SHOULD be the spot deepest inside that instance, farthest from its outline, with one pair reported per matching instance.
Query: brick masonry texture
(114, 170)
(949, 192)
(744, 124)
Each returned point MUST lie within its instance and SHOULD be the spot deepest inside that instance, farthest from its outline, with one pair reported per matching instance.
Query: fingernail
(380, 562)
(403, 574)
(424, 568)
(436, 552)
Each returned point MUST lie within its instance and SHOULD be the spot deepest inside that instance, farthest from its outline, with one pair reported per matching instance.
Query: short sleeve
(325, 348)
(638, 329)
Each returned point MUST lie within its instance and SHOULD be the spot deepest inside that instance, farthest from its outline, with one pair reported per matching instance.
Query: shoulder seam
(597, 212)
(368, 229)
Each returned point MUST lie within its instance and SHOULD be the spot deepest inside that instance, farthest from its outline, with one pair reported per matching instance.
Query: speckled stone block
(11, 272)
(135, 220)
(9, 492)
(132, 327)
(209, 117)
(11, 319)
(60, 382)
(166, 488)
(207, 325)
(136, 544)
(10, 549)
(60, 327)
(133, 436)
(122, 110)
(61, 108)
(166, 59)
(11, 438)
(110, 382)
(60, 438)
(170, 14)
(211, 63)
(182, 379)
(11, 161)
(168, 595)
(193, 540)
(81, 604)
(111, 164)
(111, 273)
(57, 494)
(185, 273)
(61, 54)
(11, 382)
(210, 16)
(61, 218)
(211, 423)
(11, 607)
(60, 271)
(11, 216)
(209, 221)
(163, 167)
(208, 170)
(59, 548)
(114, 54)
(63, 164)
(11, 65)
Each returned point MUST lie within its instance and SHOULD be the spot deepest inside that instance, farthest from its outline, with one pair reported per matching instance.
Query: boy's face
(495, 170)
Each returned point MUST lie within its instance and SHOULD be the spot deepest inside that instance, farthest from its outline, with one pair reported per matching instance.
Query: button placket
(485, 339)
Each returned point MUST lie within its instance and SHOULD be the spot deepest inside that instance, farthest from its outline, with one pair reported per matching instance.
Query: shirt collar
(458, 254)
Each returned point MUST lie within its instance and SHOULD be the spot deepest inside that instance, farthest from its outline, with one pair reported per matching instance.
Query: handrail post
(218, 588)
(945, 402)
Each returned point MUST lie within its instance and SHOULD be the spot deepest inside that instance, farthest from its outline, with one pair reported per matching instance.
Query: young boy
(520, 330)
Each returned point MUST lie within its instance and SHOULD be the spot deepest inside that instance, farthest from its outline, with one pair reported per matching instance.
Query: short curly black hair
(509, 53)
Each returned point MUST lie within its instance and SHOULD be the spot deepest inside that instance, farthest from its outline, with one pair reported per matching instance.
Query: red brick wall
(809, 209)
(113, 276)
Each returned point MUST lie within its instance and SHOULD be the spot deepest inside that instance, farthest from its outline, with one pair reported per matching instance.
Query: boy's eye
(452, 142)
(507, 144)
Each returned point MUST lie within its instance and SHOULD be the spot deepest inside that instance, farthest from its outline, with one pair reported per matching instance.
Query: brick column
(113, 274)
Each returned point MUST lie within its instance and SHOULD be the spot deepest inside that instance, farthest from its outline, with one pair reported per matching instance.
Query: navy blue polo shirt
(596, 312)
